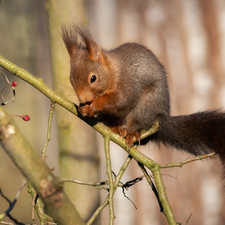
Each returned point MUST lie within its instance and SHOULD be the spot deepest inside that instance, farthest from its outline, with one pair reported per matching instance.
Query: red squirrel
(128, 85)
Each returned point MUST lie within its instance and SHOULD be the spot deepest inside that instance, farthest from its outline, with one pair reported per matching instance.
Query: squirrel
(127, 86)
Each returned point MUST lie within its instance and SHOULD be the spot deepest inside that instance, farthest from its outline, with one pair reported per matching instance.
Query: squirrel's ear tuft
(94, 50)
(70, 40)
(96, 54)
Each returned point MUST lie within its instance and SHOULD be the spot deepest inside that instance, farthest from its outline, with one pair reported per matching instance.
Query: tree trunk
(78, 157)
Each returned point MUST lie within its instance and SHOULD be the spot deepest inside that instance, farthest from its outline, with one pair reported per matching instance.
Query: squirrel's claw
(129, 140)
(131, 137)
(123, 132)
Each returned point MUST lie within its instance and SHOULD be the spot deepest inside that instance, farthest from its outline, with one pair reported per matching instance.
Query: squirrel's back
(136, 59)
(139, 75)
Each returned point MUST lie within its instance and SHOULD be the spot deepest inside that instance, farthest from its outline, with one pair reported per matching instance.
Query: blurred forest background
(188, 37)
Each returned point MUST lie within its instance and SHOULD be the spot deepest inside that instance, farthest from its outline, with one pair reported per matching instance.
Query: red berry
(14, 83)
(25, 117)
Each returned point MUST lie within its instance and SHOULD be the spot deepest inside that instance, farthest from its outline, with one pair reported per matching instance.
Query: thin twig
(12, 204)
(188, 219)
(188, 160)
(116, 184)
(10, 85)
(48, 138)
(34, 198)
(110, 177)
(38, 206)
(120, 184)
(34, 195)
(121, 172)
(6, 223)
(151, 184)
(124, 194)
(93, 184)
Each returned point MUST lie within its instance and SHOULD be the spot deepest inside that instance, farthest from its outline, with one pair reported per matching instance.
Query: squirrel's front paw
(93, 110)
(84, 109)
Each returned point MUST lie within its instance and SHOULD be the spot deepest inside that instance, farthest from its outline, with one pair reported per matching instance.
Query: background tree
(78, 156)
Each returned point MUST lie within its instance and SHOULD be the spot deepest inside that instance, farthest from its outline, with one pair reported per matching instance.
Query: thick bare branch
(48, 187)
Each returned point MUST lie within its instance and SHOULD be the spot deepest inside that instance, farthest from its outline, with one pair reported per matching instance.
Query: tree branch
(70, 106)
(48, 187)
(48, 138)
(101, 128)
(181, 164)
(116, 184)
(110, 178)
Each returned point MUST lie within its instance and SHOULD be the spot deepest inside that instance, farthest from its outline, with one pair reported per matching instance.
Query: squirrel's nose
(84, 96)
(82, 101)
(85, 99)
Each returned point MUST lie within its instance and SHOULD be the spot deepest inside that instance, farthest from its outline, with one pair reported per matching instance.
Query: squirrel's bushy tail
(198, 133)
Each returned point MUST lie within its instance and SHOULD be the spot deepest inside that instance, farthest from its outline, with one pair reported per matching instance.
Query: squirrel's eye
(93, 79)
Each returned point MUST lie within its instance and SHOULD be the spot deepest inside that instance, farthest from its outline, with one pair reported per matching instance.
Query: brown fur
(130, 92)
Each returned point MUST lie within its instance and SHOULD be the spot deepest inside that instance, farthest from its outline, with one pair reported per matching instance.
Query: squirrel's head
(89, 74)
